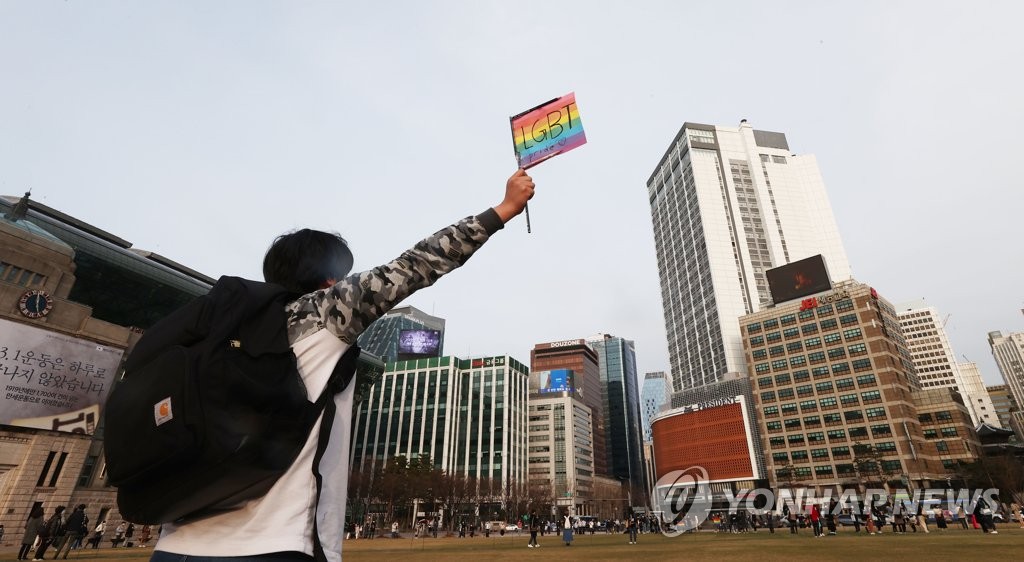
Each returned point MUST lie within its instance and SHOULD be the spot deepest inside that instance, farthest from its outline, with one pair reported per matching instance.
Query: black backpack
(211, 409)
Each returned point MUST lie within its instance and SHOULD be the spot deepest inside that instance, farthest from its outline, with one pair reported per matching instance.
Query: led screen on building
(413, 344)
(53, 381)
(559, 380)
(798, 279)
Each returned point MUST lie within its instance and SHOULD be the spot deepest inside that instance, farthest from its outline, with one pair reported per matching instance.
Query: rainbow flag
(547, 130)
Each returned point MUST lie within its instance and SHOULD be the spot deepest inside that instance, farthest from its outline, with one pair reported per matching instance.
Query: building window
(780, 457)
(827, 402)
(790, 333)
(782, 379)
(819, 372)
(801, 376)
(858, 432)
(848, 319)
(797, 361)
(788, 319)
(861, 364)
(793, 424)
(948, 431)
(853, 416)
(818, 454)
(754, 328)
(788, 409)
(812, 421)
(892, 466)
(871, 396)
(774, 426)
(808, 406)
(875, 413)
(931, 433)
(838, 353)
(772, 337)
(823, 471)
(852, 334)
(943, 416)
(795, 439)
(828, 324)
(777, 442)
(881, 430)
(849, 400)
(764, 382)
(833, 419)
(839, 368)
(806, 315)
(804, 390)
(844, 384)
(857, 349)
(757, 340)
(836, 435)
(794, 347)
(816, 357)
(808, 329)
(779, 364)
(759, 354)
(823, 387)
(771, 411)
(785, 393)
(867, 380)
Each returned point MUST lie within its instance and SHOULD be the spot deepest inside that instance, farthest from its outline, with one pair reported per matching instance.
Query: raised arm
(350, 305)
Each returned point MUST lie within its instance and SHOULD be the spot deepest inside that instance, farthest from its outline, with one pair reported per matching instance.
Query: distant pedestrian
(394, 529)
(97, 534)
(74, 531)
(567, 529)
(50, 532)
(32, 527)
(534, 529)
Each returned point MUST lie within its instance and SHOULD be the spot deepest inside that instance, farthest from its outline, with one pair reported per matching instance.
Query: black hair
(301, 261)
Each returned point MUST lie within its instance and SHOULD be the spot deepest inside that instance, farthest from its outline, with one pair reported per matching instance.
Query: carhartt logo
(162, 412)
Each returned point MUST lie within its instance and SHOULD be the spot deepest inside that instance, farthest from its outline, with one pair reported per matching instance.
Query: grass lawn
(951, 545)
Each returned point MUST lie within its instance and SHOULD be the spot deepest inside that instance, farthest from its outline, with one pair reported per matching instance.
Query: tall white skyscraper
(974, 388)
(935, 361)
(1009, 354)
(727, 204)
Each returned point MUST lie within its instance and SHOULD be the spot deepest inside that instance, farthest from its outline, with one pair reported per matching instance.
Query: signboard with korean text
(53, 381)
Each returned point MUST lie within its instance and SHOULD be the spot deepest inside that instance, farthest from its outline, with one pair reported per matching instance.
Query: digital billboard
(53, 381)
(414, 344)
(559, 380)
(798, 279)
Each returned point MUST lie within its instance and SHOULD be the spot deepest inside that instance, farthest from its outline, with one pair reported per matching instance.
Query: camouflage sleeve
(349, 306)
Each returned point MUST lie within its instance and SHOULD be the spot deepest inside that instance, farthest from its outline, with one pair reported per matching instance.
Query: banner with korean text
(53, 381)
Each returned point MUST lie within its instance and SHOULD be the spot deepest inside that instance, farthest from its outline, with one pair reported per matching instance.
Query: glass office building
(468, 415)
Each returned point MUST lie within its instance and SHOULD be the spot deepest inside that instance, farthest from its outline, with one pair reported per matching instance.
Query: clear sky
(201, 130)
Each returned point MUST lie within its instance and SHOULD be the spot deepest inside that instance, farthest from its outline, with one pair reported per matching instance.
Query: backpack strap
(341, 377)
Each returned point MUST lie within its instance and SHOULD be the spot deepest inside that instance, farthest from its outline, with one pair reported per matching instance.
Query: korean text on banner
(547, 130)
